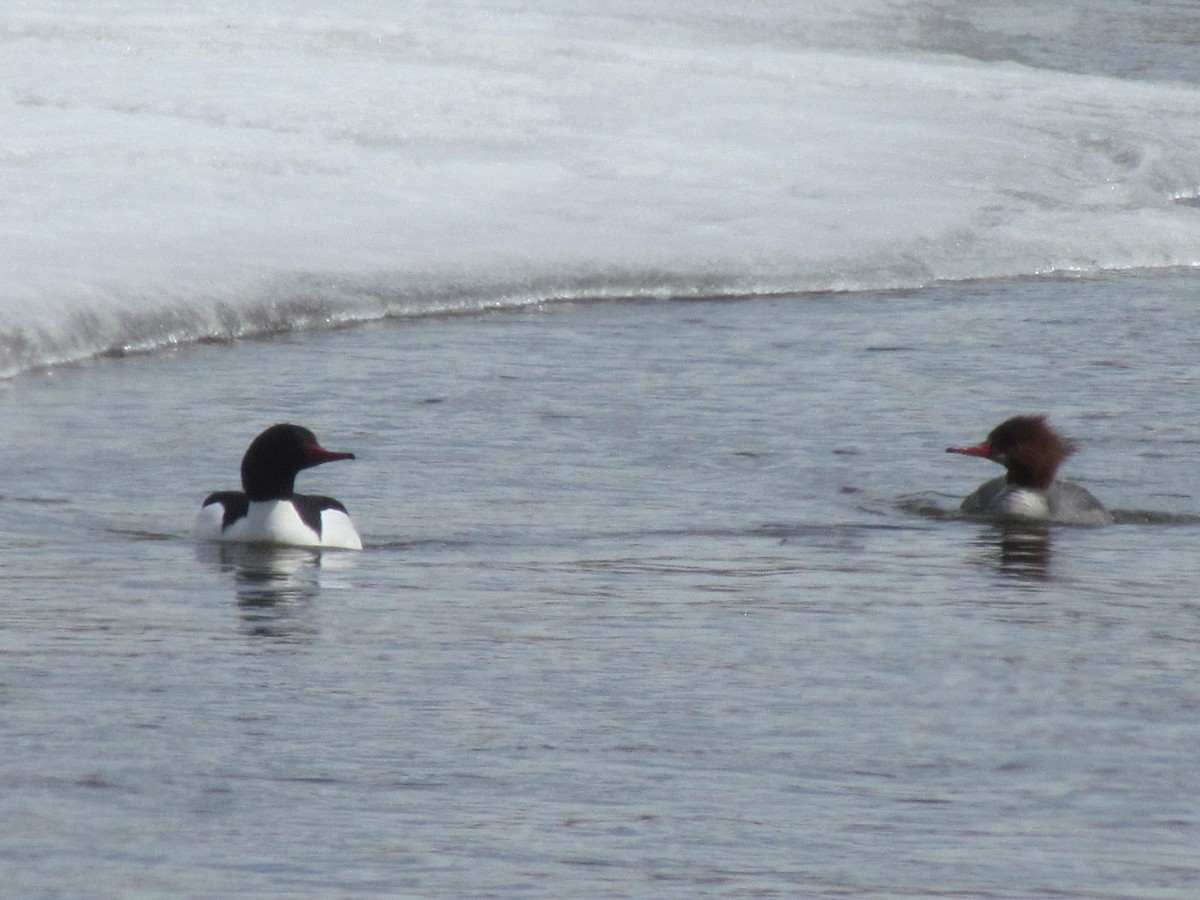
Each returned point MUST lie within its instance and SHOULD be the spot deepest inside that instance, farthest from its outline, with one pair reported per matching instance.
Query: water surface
(658, 599)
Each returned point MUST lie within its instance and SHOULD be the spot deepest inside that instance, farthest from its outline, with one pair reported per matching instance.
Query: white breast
(1022, 503)
(277, 522)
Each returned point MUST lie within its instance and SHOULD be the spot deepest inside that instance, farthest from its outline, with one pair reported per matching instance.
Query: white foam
(174, 171)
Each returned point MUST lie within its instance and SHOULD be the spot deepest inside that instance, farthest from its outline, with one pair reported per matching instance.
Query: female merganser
(1031, 451)
(269, 511)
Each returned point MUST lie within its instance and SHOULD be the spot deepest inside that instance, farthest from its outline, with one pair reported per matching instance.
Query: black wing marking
(309, 507)
(235, 502)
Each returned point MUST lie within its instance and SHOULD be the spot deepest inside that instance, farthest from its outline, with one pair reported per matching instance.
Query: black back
(309, 507)
(236, 505)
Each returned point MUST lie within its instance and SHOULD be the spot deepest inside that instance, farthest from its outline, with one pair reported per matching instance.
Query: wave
(118, 326)
(208, 173)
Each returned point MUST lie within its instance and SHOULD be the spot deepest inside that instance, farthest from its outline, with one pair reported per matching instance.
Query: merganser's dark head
(1027, 447)
(274, 458)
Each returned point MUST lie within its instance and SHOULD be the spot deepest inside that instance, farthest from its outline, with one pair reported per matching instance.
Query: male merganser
(268, 510)
(1031, 451)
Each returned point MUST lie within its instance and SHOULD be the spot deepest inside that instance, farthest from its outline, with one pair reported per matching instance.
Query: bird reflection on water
(1022, 551)
(275, 587)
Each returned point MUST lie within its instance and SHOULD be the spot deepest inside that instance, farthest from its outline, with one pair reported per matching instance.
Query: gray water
(658, 599)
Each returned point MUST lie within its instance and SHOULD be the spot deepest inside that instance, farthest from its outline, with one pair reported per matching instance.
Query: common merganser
(268, 510)
(1031, 451)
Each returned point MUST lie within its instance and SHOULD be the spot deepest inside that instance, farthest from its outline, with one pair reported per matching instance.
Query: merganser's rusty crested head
(1028, 448)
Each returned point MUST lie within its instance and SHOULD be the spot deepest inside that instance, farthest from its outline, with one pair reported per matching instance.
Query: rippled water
(659, 599)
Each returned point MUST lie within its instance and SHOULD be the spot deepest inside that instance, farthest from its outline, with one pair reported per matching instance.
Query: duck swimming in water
(268, 510)
(1031, 452)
